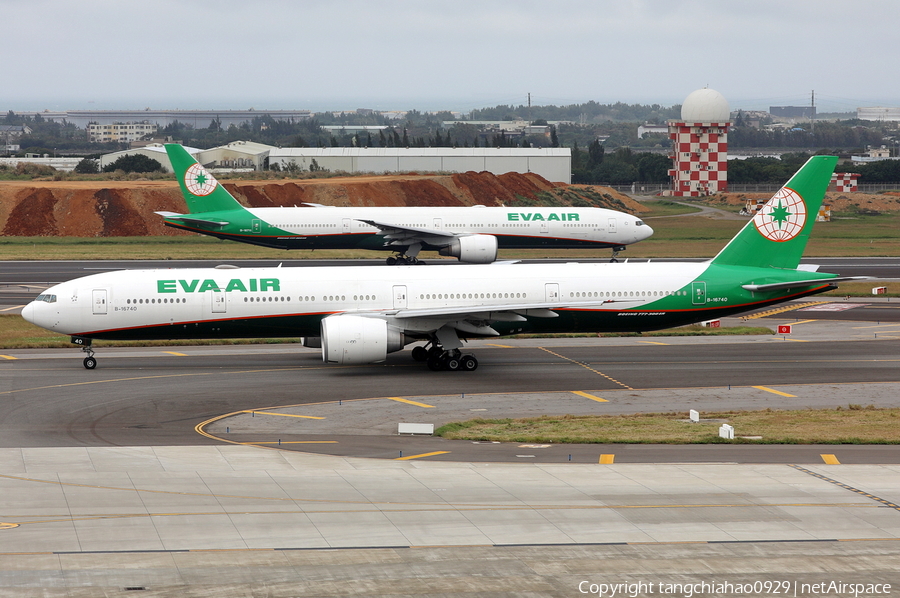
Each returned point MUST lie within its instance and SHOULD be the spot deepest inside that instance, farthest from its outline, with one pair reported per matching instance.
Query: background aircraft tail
(202, 192)
(777, 235)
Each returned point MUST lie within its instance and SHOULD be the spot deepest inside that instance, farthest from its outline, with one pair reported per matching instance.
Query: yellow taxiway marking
(830, 460)
(8, 357)
(292, 442)
(501, 346)
(802, 322)
(876, 326)
(607, 459)
(11, 308)
(652, 343)
(281, 414)
(408, 402)
(777, 392)
(586, 366)
(586, 395)
(422, 455)
(176, 353)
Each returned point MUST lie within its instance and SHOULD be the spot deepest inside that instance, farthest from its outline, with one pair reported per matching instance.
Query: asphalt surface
(158, 396)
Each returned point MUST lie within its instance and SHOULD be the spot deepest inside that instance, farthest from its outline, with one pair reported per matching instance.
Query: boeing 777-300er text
(359, 314)
(471, 234)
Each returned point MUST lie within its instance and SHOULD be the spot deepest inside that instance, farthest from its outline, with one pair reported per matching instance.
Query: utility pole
(529, 107)
(812, 113)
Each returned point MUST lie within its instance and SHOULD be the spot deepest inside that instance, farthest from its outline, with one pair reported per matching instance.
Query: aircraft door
(218, 299)
(400, 297)
(698, 292)
(611, 228)
(99, 302)
(437, 224)
(346, 226)
(551, 292)
(256, 225)
(545, 228)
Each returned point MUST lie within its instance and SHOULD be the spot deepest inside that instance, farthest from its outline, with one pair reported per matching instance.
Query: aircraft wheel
(90, 363)
(469, 363)
(391, 261)
(420, 353)
(435, 363)
(452, 364)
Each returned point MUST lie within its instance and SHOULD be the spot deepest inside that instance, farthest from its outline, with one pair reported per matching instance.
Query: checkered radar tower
(700, 145)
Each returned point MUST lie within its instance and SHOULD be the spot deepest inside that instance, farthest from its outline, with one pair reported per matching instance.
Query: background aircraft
(471, 234)
(360, 314)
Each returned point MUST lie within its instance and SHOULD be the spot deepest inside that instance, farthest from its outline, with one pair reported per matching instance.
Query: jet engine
(473, 249)
(350, 340)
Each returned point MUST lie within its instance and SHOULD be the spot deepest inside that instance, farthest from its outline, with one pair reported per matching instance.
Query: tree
(87, 166)
(595, 154)
(134, 163)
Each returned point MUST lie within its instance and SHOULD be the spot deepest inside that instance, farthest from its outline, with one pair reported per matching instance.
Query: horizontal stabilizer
(800, 283)
(188, 219)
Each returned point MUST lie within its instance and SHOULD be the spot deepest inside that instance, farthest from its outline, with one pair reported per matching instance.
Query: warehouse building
(554, 164)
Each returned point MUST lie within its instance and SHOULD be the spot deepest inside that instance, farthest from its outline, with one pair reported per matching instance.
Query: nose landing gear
(90, 362)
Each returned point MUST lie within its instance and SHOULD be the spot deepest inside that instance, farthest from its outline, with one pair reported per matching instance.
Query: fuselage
(344, 228)
(291, 302)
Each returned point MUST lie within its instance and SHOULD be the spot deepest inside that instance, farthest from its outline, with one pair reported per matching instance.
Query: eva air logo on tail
(783, 217)
(198, 181)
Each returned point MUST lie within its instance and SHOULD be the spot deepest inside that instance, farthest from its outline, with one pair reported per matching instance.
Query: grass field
(845, 425)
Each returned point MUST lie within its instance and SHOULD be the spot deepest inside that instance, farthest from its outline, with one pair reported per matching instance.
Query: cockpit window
(639, 223)
(46, 298)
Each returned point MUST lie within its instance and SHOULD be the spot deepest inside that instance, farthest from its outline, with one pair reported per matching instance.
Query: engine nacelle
(473, 249)
(350, 340)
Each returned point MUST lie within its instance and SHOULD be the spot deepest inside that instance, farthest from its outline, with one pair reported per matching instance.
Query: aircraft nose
(28, 312)
(644, 232)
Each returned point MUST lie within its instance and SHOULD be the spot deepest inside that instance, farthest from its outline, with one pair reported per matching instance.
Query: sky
(443, 55)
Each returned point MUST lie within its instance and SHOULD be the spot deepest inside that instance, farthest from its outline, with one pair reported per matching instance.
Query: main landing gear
(403, 260)
(439, 359)
(409, 256)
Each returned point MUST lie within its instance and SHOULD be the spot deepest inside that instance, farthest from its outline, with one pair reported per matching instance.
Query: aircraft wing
(797, 283)
(188, 219)
(398, 234)
(478, 319)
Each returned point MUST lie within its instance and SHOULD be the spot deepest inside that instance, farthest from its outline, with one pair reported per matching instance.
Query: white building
(878, 113)
(554, 164)
(120, 132)
(236, 155)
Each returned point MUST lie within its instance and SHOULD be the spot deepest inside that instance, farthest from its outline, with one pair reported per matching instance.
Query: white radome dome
(705, 106)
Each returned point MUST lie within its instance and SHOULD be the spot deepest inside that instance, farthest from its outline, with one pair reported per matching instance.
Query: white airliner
(360, 314)
(471, 234)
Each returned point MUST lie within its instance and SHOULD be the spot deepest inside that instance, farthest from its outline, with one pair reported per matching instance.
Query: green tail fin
(777, 235)
(202, 192)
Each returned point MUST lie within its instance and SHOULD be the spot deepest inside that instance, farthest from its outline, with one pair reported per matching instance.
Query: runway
(150, 473)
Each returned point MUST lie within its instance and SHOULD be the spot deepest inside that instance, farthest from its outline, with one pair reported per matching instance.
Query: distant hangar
(554, 164)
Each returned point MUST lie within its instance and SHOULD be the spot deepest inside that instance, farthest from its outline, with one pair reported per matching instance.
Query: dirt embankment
(839, 202)
(126, 208)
